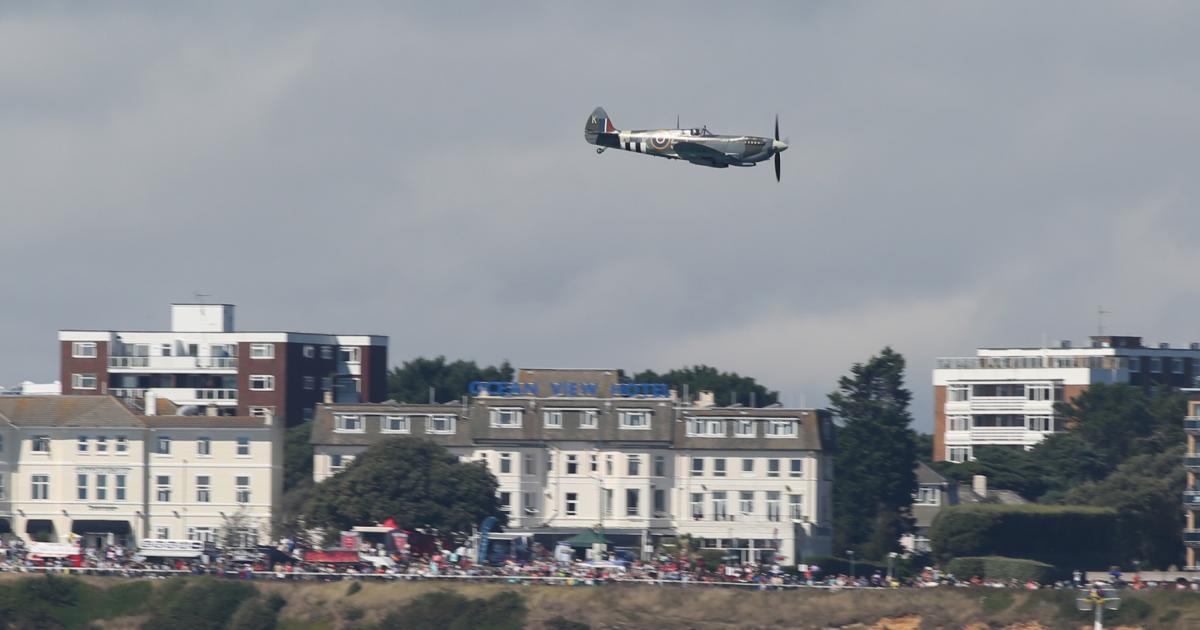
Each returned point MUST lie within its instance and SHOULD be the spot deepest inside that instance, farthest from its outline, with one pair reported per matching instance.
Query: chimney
(150, 403)
(1065, 343)
(328, 397)
(1164, 346)
(979, 485)
(706, 400)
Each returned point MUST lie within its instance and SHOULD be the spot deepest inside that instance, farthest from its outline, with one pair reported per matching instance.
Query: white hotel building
(87, 469)
(640, 463)
(1006, 396)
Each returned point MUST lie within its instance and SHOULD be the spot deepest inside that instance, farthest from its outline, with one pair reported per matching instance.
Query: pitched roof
(66, 411)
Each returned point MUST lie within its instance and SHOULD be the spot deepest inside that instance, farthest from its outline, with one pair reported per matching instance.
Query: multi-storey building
(203, 361)
(577, 449)
(87, 467)
(1006, 396)
(1191, 492)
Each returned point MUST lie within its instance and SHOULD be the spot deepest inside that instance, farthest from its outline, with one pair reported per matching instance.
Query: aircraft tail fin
(598, 123)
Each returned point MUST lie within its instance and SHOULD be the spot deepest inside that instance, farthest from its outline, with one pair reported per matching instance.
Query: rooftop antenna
(677, 122)
(1100, 313)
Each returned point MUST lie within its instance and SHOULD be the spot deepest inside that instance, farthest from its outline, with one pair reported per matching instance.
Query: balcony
(1032, 362)
(1191, 537)
(173, 364)
(1191, 425)
(180, 395)
(1191, 499)
(1192, 462)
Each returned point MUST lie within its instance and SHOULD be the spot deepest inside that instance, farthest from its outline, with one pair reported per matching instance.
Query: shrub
(997, 602)
(354, 588)
(201, 604)
(254, 614)
(276, 602)
(1065, 536)
(562, 623)
(1000, 568)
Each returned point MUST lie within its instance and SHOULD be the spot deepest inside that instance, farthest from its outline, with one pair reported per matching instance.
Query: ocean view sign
(585, 390)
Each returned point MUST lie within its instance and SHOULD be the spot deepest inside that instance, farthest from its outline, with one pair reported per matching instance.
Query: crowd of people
(288, 561)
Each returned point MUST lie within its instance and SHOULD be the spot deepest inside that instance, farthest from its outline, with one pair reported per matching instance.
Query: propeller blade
(776, 126)
(776, 167)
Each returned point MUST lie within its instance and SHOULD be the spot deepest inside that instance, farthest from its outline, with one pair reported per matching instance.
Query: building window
(508, 418)
(632, 499)
(83, 381)
(796, 506)
(440, 424)
(594, 462)
(338, 462)
(202, 534)
(698, 506)
(1043, 424)
(348, 423)
(572, 504)
(773, 505)
(553, 419)
(527, 503)
(660, 466)
(506, 463)
(958, 392)
(1039, 392)
(660, 502)
(720, 508)
(120, 481)
(262, 351)
(959, 423)
(395, 424)
(928, 495)
(41, 487)
(796, 468)
(101, 444)
(958, 454)
(1156, 365)
(162, 533)
(242, 489)
(309, 352)
(81, 487)
(101, 487)
(744, 429)
(350, 354)
(3, 488)
(326, 352)
(719, 467)
(122, 444)
(781, 429)
(634, 464)
(163, 484)
(310, 382)
(746, 502)
(505, 501)
(83, 350)
(588, 418)
(697, 466)
(204, 446)
(635, 419)
(41, 444)
(747, 467)
(772, 467)
(81, 445)
(203, 489)
(705, 428)
(528, 464)
(1135, 364)
(262, 383)
(1177, 366)
(572, 464)
(162, 446)
(243, 447)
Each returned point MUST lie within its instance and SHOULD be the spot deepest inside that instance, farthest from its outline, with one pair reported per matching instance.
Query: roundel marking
(660, 142)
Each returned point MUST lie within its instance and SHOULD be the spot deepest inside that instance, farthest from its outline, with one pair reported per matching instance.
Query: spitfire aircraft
(698, 146)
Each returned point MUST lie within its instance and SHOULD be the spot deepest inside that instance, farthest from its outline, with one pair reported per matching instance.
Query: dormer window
(348, 423)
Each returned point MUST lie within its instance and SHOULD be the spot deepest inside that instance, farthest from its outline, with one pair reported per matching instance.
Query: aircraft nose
(779, 146)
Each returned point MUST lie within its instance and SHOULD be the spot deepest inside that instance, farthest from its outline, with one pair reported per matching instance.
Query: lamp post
(850, 553)
(891, 559)
(1096, 600)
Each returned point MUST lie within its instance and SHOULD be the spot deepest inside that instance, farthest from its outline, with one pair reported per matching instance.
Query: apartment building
(1191, 491)
(204, 362)
(576, 449)
(1006, 396)
(88, 469)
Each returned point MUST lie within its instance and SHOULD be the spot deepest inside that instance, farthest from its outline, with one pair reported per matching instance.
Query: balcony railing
(1191, 424)
(1191, 537)
(174, 363)
(1192, 461)
(178, 395)
(1191, 499)
(1030, 363)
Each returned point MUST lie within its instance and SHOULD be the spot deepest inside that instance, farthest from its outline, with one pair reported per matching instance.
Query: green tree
(297, 455)
(729, 387)
(875, 458)
(415, 481)
(1111, 418)
(410, 382)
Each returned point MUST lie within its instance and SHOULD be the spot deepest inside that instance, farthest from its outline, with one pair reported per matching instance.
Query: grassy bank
(198, 603)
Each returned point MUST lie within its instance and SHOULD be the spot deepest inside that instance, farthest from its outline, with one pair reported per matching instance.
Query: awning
(52, 550)
(100, 527)
(332, 556)
(5, 526)
(588, 538)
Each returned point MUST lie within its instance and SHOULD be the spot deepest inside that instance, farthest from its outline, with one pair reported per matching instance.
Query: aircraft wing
(697, 153)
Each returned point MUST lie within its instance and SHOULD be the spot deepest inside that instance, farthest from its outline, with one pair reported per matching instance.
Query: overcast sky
(961, 174)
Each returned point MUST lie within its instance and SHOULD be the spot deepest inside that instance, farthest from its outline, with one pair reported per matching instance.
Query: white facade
(123, 478)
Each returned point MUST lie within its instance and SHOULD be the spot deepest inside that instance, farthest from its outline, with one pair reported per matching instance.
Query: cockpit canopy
(703, 131)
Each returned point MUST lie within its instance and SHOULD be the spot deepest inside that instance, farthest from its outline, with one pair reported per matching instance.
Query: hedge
(1065, 536)
(1001, 568)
